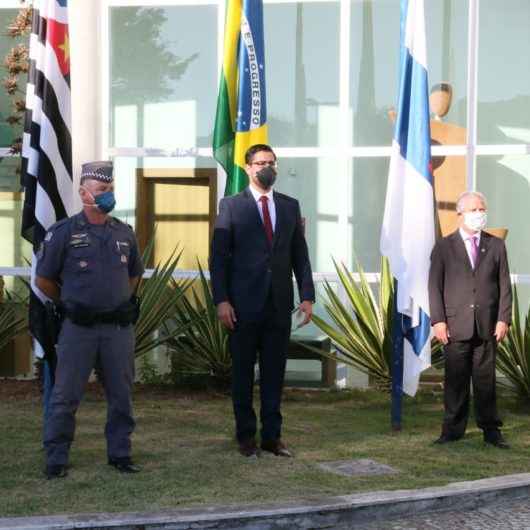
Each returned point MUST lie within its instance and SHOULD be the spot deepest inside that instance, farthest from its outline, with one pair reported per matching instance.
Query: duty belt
(127, 313)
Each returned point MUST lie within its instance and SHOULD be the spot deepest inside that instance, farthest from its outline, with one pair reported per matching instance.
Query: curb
(331, 512)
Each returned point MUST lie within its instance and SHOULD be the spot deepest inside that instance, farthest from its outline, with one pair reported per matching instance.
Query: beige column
(85, 80)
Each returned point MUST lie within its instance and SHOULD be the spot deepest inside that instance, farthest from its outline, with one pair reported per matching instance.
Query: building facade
(145, 79)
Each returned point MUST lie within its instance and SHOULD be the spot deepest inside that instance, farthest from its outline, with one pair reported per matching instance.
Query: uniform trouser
(464, 360)
(268, 335)
(78, 350)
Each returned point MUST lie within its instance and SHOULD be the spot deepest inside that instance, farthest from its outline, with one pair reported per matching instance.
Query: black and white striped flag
(47, 143)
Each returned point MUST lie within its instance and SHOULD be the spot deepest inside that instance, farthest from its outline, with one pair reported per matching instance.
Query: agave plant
(201, 350)
(13, 322)
(362, 329)
(13, 318)
(160, 295)
(513, 354)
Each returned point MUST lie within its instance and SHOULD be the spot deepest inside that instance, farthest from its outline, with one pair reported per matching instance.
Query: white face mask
(475, 221)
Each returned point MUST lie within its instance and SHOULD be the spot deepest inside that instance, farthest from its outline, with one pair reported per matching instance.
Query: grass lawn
(185, 446)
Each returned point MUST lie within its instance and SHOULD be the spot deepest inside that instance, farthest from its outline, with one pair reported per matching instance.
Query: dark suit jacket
(243, 266)
(463, 297)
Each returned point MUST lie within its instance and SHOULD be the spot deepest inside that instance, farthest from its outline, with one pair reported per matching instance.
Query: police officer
(89, 266)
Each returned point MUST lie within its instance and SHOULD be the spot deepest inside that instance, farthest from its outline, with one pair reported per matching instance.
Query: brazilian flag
(241, 117)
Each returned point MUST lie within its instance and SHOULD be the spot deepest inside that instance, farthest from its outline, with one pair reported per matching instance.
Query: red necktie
(266, 217)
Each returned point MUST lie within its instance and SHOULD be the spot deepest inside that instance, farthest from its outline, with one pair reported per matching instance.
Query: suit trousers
(78, 351)
(464, 360)
(268, 334)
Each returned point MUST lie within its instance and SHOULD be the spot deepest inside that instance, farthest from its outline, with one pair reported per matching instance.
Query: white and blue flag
(407, 236)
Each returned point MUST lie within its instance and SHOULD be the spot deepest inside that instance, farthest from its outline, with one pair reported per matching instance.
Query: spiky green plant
(13, 322)
(13, 313)
(160, 295)
(513, 353)
(362, 329)
(202, 348)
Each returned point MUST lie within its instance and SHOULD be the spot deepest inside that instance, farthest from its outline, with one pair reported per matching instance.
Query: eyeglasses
(263, 163)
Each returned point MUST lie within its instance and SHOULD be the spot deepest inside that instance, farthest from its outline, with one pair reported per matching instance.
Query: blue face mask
(105, 201)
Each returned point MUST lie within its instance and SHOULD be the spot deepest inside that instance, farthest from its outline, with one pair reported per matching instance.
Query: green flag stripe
(237, 181)
(223, 134)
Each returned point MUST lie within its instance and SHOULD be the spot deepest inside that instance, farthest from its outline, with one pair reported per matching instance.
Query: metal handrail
(318, 277)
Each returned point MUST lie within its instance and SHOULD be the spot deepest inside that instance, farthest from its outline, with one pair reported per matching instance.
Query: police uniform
(93, 265)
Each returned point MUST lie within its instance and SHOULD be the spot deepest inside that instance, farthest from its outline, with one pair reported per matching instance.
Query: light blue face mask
(105, 201)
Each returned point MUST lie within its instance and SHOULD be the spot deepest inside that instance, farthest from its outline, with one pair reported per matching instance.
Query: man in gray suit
(471, 307)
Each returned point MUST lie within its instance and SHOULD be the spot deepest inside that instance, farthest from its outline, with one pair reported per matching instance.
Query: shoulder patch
(40, 252)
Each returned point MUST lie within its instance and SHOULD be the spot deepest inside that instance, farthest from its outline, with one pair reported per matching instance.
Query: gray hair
(468, 194)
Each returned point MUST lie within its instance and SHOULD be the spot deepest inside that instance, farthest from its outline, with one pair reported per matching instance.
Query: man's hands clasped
(441, 331)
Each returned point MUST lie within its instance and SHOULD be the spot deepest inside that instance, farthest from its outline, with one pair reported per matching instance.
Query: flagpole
(397, 366)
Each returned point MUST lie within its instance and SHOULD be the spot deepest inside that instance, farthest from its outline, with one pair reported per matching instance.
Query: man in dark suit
(258, 243)
(471, 307)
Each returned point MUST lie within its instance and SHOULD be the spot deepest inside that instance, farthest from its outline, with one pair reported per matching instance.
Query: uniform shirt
(467, 242)
(272, 207)
(93, 263)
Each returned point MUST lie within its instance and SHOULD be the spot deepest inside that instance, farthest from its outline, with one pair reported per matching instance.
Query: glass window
(374, 53)
(125, 188)
(523, 294)
(315, 183)
(446, 29)
(370, 177)
(302, 73)
(163, 76)
(9, 176)
(125, 178)
(504, 73)
(505, 181)
(374, 56)
(14, 250)
(174, 207)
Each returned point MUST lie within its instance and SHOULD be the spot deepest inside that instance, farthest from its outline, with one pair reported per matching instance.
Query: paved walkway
(514, 515)
(499, 502)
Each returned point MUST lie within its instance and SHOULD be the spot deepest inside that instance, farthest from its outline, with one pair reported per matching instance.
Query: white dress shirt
(467, 241)
(272, 207)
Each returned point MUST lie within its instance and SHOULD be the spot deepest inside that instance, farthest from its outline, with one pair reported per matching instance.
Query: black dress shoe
(445, 439)
(56, 471)
(124, 465)
(248, 447)
(495, 438)
(276, 447)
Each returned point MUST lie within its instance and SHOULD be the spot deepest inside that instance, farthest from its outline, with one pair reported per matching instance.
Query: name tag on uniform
(79, 240)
